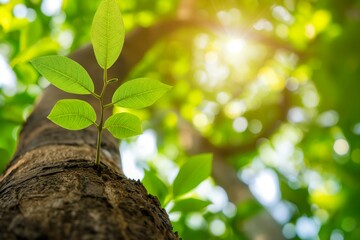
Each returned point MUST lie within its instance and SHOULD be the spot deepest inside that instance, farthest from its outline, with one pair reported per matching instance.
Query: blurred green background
(270, 88)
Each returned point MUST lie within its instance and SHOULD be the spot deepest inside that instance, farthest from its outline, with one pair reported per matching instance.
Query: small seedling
(107, 36)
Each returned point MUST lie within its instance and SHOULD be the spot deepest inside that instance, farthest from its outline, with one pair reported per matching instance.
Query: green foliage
(72, 114)
(123, 125)
(65, 74)
(155, 186)
(192, 173)
(190, 205)
(107, 33)
(139, 93)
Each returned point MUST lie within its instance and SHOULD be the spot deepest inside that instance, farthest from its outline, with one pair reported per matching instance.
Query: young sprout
(107, 36)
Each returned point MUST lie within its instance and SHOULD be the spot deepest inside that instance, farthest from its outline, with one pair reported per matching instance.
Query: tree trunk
(56, 192)
(52, 190)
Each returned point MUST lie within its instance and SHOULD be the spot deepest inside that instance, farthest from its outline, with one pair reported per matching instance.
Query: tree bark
(52, 190)
(56, 192)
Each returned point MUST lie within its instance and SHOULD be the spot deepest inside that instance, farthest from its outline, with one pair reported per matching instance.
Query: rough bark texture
(56, 192)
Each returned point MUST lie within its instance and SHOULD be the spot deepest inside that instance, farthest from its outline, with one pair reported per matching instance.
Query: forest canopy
(269, 88)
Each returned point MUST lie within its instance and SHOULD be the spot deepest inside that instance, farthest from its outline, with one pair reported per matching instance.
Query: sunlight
(230, 17)
(263, 24)
(216, 194)
(255, 126)
(66, 38)
(356, 129)
(201, 121)
(218, 57)
(235, 108)
(217, 227)
(271, 78)
(265, 187)
(282, 212)
(337, 235)
(147, 143)
(310, 98)
(224, 97)
(341, 147)
(240, 124)
(51, 7)
(21, 11)
(235, 45)
(328, 119)
(282, 14)
(230, 210)
(289, 230)
(234, 52)
(129, 163)
(216, 71)
(297, 115)
(8, 78)
(307, 228)
(196, 221)
(282, 154)
(134, 154)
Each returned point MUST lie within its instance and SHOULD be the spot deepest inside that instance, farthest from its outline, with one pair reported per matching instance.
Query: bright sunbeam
(51, 8)
(235, 45)
(134, 153)
(265, 187)
(7, 78)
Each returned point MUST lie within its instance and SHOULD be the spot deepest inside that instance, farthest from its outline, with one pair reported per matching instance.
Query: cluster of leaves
(180, 199)
(193, 172)
(107, 34)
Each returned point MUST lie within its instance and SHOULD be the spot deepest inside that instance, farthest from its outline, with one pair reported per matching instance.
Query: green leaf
(72, 114)
(190, 205)
(155, 186)
(64, 73)
(123, 125)
(107, 33)
(192, 173)
(139, 93)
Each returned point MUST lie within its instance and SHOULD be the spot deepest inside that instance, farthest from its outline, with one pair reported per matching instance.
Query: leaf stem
(98, 145)
(108, 105)
(95, 95)
(101, 122)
